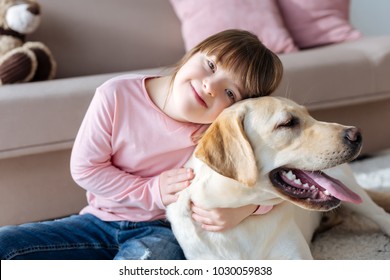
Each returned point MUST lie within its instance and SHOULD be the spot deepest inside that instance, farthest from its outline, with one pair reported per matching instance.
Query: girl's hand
(221, 219)
(174, 181)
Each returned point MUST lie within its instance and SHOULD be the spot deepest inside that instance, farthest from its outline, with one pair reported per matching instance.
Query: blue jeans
(87, 237)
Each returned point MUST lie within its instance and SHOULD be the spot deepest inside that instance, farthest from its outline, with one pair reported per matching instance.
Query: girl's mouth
(198, 98)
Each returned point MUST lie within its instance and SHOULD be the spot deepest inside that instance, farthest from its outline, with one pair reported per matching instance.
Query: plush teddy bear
(22, 61)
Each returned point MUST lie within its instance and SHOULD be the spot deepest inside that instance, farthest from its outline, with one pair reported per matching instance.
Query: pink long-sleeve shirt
(124, 143)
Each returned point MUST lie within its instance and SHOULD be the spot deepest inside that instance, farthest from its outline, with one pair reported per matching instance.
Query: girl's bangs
(236, 59)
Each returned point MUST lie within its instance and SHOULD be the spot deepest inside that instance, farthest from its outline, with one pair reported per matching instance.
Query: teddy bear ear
(226, 149)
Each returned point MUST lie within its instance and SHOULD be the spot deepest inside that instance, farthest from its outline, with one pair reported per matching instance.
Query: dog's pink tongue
(334, 187)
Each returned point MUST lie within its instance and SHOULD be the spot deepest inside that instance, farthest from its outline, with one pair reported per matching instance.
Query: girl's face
(202, 89)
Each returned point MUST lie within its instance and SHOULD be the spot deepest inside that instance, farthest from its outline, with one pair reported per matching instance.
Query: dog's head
(274, 144)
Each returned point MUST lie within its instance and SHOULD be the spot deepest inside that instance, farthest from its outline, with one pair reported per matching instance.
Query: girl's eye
(230, 95)
(211, 65)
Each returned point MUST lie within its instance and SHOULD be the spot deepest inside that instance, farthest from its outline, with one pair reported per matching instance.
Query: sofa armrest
(45, 116)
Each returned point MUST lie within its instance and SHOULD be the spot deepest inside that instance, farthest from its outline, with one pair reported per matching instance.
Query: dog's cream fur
(234, 163)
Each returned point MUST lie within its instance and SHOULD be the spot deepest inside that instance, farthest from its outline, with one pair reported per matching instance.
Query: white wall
(371, 17)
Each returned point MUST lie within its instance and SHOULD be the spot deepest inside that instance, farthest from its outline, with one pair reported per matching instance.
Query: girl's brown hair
(257, 69)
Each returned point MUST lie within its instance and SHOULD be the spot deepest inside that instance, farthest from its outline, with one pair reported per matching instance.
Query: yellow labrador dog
(269, 151)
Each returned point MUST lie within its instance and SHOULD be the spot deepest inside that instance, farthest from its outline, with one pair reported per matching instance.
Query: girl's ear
(226, 149)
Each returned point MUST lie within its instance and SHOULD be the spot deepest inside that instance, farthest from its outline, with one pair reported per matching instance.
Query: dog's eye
(289, 123)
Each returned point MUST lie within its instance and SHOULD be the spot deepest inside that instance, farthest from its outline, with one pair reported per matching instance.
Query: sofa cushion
(337, 75)
(202, 18)
(315, 23)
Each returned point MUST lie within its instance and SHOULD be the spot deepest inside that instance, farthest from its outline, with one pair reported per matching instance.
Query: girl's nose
(209, 86)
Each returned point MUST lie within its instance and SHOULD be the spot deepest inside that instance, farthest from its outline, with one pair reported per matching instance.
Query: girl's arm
(221, 219)
(92, 169)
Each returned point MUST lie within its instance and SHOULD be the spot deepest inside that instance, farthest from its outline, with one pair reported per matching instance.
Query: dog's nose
(353, 137)
(34, 9)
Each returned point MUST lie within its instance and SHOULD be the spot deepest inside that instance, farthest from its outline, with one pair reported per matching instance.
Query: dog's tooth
(326, 192)
(298, 182)
(312, 187)
(291, 176)
(306, 185)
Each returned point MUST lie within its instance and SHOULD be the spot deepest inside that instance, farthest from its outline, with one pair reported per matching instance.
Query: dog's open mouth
(312, 189)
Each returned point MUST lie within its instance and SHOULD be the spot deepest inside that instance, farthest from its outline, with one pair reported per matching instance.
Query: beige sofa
(94, 40)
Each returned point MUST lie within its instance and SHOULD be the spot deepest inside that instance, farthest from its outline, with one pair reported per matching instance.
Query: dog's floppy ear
(226, 149)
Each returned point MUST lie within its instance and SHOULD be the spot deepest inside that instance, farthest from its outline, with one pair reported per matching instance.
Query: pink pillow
(314, 23)
(202, 18)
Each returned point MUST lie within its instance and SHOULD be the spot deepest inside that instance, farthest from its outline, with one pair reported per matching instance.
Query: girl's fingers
(200, 211)
(204, 216)
(201, 219)
(178, 171)
(212, 228)
(179, 175)
(175, 188)
(207, 223)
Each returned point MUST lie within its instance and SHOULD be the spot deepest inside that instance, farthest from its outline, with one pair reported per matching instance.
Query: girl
(136, 135)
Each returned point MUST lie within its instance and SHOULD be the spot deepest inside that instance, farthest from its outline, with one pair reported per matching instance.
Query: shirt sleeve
(91, 165)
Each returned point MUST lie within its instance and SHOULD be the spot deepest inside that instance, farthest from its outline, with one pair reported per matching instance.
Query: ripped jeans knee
(151, 248)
